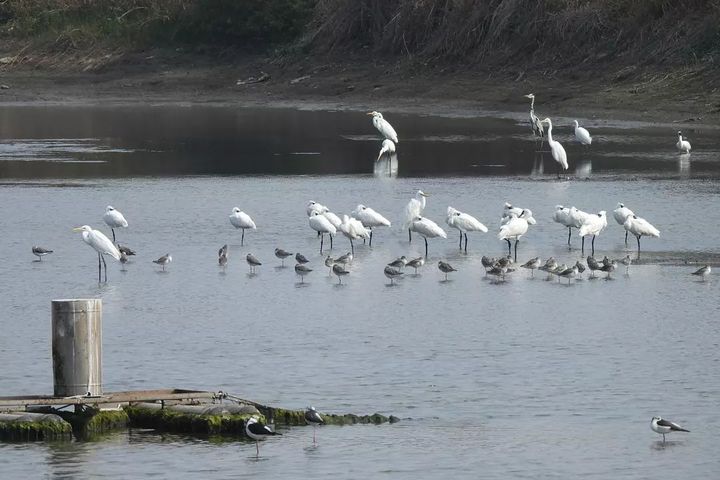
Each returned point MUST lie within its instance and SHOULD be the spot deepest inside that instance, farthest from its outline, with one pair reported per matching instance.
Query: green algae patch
(35, 430)
(281, 416)
(167, 420)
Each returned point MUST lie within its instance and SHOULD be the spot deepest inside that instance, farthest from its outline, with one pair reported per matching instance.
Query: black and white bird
(127, 251)
(282, 255)
(163, 261)
(40, 252)
(222, 260)
(302, 270)
(258, 431)
(312, 417)
(662, 426)
(392, 273)
(445, 268)
(703, 272)
(252, 261)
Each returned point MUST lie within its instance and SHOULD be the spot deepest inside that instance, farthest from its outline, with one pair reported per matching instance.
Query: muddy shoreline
(648, 98)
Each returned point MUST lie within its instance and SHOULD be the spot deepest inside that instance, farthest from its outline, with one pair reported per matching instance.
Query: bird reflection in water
(386, 166)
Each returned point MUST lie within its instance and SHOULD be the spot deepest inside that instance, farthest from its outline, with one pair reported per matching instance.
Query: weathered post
(77, 347)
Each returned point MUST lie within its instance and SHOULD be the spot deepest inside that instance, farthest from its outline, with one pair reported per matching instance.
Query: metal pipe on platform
(77, 347)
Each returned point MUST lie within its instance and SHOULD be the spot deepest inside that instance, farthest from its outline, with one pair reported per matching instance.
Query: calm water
(525, 379)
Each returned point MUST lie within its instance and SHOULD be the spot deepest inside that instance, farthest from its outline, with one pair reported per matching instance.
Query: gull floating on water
(257, 431)
(464, 223)
(114, 219)
(164, 260)
(242, 220)
(40, 252)
(663, 427)
(101, 244)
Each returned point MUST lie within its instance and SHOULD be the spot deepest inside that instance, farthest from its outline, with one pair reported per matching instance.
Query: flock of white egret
(363, 221)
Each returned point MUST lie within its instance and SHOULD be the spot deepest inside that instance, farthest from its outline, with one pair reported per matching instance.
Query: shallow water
(523, 379)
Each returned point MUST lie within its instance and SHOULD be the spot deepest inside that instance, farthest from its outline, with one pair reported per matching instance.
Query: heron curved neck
(532, 104)
(549, 134)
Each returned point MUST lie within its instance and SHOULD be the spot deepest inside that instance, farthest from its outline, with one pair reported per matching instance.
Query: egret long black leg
(409, 236)
(99, 269)
(461, 240)
(516, 243)
(593, 246)
(352, 247)
(509, 246)
(113, 232)
(426, 250)
(582, 248)
(242, 239)
(370, 244)
(104, 265)
(466, 243)
(626, 232)
(331, 240)
(569, 234)
(638, 241)
(322, 239)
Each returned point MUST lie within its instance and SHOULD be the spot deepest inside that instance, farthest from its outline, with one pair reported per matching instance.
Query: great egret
(282, 255)
(621, 213)
(257, 431)
(369, 219)
(557, 150)
(414, 209)
(252, 261)
(662, 426)
(302, 270)
(639, 227)
(513, 230)
(114, 219)
(312, 417)
(240, 219)
(592, 225)
(101, 244)
(384, 126)
(427, 228)
(682, 145)
(388, 147)
(40, 252)
(353, 229)
(334, 219)
(163, 261)
(392, 273)
(464, 223)
(445, 268)
(703, 272)
(582, 135)
(535, 123)
(562, 216)
(322, 225)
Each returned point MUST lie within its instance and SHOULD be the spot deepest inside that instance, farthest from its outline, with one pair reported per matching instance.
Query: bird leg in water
(638, 241)
(425, 246)
(99, 269)
(460, 240)
(466, 243)
(516, 243)
(626, 232)
(242, 239)
(409, 236)
(352, 247)
(569, 234)
(322, 238)
(330, 235)
(509, 246)
(105, 265)
(593, 246)
(369, 243)
(113, 232)
(582, 250)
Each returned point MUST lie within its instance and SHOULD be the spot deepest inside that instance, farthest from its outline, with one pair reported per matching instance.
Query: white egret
(101, 244)
(414, 209)
(592, 225)
(312, 417)
(322, 225)
(535, 123)
(369, 219)
(384, 126)
(515, 228)
(114, 219)
(313, 206)
(334, 219)
(510, 212)
(662, 426)
(582, 135)
(621, 213)
(353, 229)
(427, 228)
(557, 150)
(464, 223)
(257, 431)
(639, 227)
(388, 147)
(40, 252)
(682, 145)
(446, 268)
(164, 261)
(240, 219)
(562, 216)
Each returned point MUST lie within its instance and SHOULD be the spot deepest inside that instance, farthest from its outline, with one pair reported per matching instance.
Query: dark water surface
(523, 379)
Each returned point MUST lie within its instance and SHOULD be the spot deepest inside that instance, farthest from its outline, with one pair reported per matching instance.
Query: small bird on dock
(40, 252)
(340, 272)
(312, 417)
(703, 272)
(662, 426)
(532, 265)
(258, 431)
(416, 263)
(282, 255)
(252, 261)
(300, 258)
(302, 270)
(392, 273)
(445, 268)
(163, 261)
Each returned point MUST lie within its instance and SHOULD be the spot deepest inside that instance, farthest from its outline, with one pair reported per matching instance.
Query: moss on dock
(281, 416)
(35, 430)
(180, 422)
